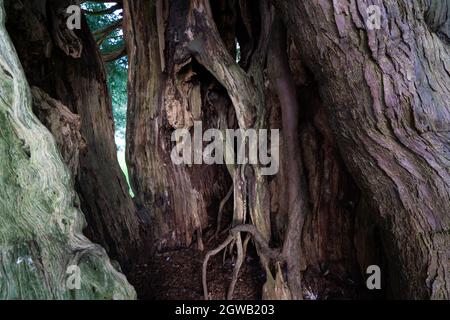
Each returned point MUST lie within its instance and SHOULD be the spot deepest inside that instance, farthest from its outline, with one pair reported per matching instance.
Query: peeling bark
(166, 93)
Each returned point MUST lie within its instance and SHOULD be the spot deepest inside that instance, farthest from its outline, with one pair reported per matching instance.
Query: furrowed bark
(68, 66)
(64, 126)
(386, 92)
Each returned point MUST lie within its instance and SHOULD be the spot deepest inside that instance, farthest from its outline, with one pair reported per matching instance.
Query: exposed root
(237, 266)
(200, 245)
(222, 205)
(241, 254)
(231, 247)
(235, 236)
(205, 263)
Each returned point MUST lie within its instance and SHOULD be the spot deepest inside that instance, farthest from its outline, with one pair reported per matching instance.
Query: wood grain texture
(68, 66)
(387, 98)
(40, 229)
(64, 126)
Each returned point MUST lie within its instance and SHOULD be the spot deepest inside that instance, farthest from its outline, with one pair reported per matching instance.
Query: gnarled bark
(64, 126)
(68, 66)
(40, 233)
(386, 93)
(188, 43)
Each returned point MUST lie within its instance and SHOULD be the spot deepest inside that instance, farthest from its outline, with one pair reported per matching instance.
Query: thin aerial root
(227, 229)
(224, 257)
(264, 248)
(237, 267)
(235, 239)
(222, 205)
(205, 263)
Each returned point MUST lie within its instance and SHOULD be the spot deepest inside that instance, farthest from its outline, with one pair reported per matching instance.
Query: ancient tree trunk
(362, 109)
(386, 92)
(40, 230)
(167, 94)
(63, 124)
(183, 68)
(68, 67)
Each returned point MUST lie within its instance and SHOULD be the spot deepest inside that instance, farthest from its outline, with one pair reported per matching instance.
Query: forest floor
(177, 275)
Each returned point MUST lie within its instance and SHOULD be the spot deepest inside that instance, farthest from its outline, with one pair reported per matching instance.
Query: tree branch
(111, 56)
(105, 11)
(108, 29)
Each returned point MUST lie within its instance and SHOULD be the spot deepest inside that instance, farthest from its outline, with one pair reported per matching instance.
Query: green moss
(41, 231)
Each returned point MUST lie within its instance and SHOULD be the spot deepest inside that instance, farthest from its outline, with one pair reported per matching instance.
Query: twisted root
(235, 234)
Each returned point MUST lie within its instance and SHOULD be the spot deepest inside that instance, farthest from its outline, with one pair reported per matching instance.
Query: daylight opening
(105, 22)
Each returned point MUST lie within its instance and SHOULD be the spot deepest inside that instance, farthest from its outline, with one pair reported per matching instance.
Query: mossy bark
(41, 226)
(67, 66)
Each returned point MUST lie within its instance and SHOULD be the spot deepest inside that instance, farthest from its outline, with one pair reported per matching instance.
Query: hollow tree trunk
(67, 66)
(373, 102)
(176, 47)
(167, 94)
(40, 230)
(63, 124)
(386, 93)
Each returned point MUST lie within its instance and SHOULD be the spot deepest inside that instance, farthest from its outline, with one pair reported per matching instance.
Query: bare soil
(176, 275)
